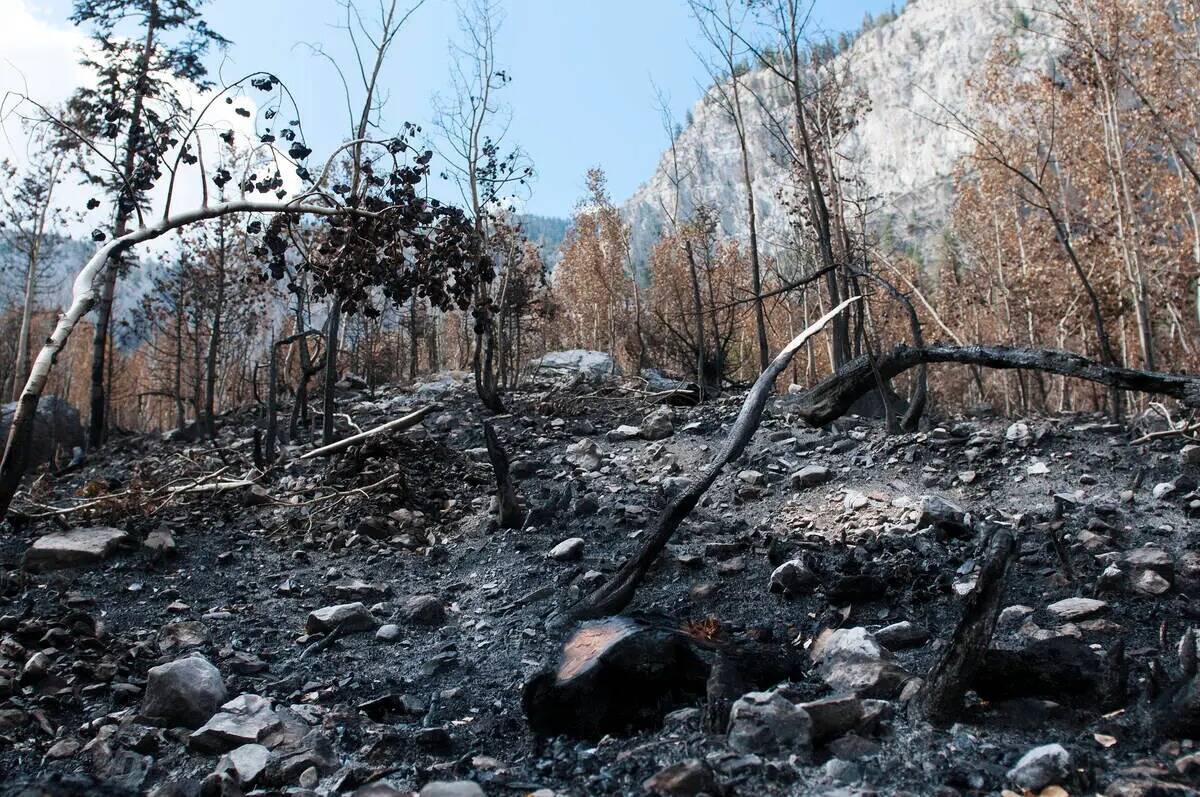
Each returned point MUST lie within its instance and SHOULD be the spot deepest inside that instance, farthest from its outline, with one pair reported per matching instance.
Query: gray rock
(351, 617)
(901, 635)
(244, 720)
(185, 692)
(811, 476)
(593, 364)
(1189, 454)
(752, 477)
(451, 788)
(938, 513)
(583, 454)
(56, 427)
(622, 433)
(658, 425)
(1077, 608)
(793, 578)
(767, 722)
(685, 779)
(424, 610)
(246, 762)
(388, 633)
(569, 550)
(73, 547)
(1041, 767)
(864, 676)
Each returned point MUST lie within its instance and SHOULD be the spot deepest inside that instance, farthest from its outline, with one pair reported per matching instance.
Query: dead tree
(940, 700)
(510, 513)
(616, 593)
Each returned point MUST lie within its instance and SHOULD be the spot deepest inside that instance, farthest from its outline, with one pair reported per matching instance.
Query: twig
(412, 419)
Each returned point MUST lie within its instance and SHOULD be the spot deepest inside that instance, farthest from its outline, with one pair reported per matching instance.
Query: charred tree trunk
(940, 700)
(511, 515)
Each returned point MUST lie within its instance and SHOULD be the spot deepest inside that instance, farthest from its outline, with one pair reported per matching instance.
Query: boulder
(246, 762)
(424, 610)
(937, 513)
(185, 692)
(583, 454)
(56, 426)
(568, 550)
(73, 547)
(592, 364)
(793, 578)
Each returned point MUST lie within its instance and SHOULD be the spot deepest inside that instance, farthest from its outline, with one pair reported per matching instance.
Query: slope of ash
(874, 539)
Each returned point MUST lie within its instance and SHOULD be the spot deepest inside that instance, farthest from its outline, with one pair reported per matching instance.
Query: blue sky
(583, 73)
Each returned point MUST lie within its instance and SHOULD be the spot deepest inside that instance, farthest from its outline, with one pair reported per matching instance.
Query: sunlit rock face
(907, 73)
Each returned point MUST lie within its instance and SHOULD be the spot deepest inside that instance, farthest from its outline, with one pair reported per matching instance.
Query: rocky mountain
(909, 70)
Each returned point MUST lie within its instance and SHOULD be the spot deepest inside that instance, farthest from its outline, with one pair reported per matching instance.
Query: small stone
(901, 635)
(622, 433)
(388, 633)
(854, 500)
(938, 513)
(767, 722)
(351, 617)
(793, 578)
(685, 779)
(246, 762)
(1041, 767)
(584, 455)
(1077, 608)
(1149, 582)
(451, 788)
(73, 548)
(658, 425)
(161, 541)
(424, 610)
(309, 778)
(1163, 490)
(569, 550)
(1189, 454)
(811, 476)
(752, 477)
(186, 692)
(64, 748)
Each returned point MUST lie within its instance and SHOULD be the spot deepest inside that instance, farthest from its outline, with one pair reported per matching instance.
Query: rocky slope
(911, 70)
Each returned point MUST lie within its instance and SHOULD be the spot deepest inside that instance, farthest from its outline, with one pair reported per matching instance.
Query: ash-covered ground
(874, 541)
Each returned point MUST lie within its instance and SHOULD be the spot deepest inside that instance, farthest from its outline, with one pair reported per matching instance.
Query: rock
(569, 550)
(1019, 434)
(853, 500)
(351, 617)
(1189, 454)
(855, 641)
(424, 610)
(853, 747)
(451, 788)
(584, 455)
(161, 541)
(658, 425)
(1155, 559)
(1041, 767)
(64, 748)
(767, 722)
(74, 547)
(388, 633)
(752, 477)
(296, 756)
(622, 433)
(593, 364)
(901, 635)
(185, 692)
(246, 762)
(1163, 490)
(863, 676)
(839, 715)
(938, 513)
(810, 476)
(1149, 582)
(55, 426)
(793, 578)
(183, 635)
(685, 779)
(244, 720)
(1077, 608)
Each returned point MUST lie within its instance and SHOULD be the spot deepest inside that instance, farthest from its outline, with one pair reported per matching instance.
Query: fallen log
(616, 593)
(832, 397)
(405, 422)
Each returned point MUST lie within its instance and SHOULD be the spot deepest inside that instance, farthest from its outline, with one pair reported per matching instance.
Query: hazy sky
(583, 72)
